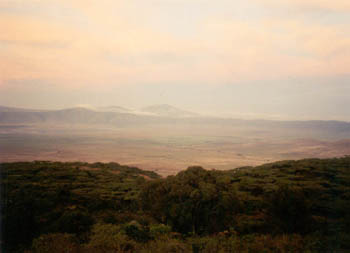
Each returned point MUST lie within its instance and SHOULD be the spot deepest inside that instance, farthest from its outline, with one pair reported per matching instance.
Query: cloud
(335, 5)
(134, 42)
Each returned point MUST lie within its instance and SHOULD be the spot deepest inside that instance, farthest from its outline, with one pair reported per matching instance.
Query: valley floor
(165, 149)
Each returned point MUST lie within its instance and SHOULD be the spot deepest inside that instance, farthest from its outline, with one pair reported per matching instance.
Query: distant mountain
(167, 111)
(16, 109)
(114, 108)
(75, 115)
(165, 114)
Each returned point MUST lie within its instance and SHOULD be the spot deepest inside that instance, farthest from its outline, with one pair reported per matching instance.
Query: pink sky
(108, 44)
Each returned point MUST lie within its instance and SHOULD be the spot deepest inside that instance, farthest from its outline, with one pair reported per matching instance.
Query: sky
(280, 59)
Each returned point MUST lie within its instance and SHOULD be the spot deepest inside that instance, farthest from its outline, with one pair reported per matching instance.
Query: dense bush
(287, 206)
(289, 211)
(109, 238)
(56, 243)
(191, 202)
(74, 222)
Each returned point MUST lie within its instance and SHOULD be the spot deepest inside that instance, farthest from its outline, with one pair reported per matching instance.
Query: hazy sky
(286, 59)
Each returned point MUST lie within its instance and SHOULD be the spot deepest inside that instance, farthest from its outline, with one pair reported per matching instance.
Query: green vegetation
(287, 206)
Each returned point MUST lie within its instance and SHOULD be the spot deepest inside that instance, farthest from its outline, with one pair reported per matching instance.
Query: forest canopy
(106, 207)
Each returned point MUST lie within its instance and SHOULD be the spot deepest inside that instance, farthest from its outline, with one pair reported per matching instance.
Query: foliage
(165, 244)
(56, 243)
(159, 230)
(191, 202)
(289, 210)
(109, 238)
(287, 206)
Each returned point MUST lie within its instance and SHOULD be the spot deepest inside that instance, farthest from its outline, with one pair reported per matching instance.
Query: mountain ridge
(167, 110)
(155, 114)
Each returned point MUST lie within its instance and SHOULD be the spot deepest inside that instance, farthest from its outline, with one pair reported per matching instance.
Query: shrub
(289, 211)
(55, 243)
(165, 244)
(109, 238)
(135, 231)
(158, 230)
(74, 222)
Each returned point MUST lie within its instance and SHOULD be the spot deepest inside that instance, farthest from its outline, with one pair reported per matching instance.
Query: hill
(111, 116)
(156, 114)
(114, 108)
(16, 109)
(76, 115)
(171, 117)
(287, 206)
(167, 111)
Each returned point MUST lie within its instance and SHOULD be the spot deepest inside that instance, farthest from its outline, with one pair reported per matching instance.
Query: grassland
(166, 148)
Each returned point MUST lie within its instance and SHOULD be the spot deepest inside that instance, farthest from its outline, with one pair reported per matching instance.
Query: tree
(289, 210)
(191, 202)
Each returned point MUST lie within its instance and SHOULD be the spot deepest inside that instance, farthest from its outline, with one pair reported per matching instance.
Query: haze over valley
(163, 138)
